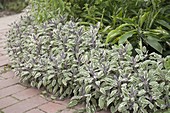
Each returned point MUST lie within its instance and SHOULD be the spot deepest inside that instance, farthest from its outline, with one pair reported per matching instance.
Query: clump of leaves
(114, 79)
(68, 60)
(48, 55)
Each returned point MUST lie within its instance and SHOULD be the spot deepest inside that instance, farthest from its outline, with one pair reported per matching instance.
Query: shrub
(13, 5)
(136, 21)
(68, 60)
(49, 54)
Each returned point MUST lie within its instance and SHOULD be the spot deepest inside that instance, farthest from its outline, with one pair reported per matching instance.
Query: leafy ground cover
(64, 49)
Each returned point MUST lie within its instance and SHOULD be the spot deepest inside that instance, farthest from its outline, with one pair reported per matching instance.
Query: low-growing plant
(116, 80)
(68, 60)
(49, 54)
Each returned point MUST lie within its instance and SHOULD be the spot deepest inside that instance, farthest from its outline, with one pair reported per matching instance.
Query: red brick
(35, 111)
(26, 94)
(11, 90)
(8, 82)
(9, 74)
(7, 101)
(52, 107)
(25, 105)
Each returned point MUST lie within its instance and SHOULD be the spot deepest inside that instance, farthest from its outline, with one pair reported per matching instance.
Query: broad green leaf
(64, 81)
(61, 5)
(39, 84)
(51, 76)
(102, 90)
(88, 88)
(55, 89)
(54, 82)
(113, 109)
(72, 103)
(110, 37)
(160, 103)
(101, 101)
(141, 92)
(154, 43)
(110, 101)
(135, 107)
(112, 34)
(143, 18)
(123, 38)
(122, 106)
(164, 23)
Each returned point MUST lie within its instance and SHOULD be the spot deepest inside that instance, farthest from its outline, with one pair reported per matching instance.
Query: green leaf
(54, 82)
(61, 4)
(51, 76)
(73, 103)
(123, 38)
(101, 101)
(160, 103)
(110, 101)
(154, 43)
(88, 88)
(112, 34)
(102, 90)
(143, 18)
(64, 81)
(141, 92)
(122, 106)
(113, 109)
(39, 84)
(163, 23)
(135, 107)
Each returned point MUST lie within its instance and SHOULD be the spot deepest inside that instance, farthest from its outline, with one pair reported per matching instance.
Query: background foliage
(13, 5)
(140, 22)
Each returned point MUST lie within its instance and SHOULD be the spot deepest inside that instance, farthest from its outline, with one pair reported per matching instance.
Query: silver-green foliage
(67, 60)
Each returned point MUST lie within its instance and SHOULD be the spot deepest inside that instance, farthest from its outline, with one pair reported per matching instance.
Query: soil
(6, 13)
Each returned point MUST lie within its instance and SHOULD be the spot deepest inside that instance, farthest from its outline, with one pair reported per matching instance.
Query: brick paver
(8, 82)
(25, 105)
(52, 107)
(7, 101)
(11, 90)
(35, 111)
(7, 75)
(26, 94)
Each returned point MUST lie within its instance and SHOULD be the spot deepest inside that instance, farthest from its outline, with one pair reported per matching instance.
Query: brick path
(16, 98)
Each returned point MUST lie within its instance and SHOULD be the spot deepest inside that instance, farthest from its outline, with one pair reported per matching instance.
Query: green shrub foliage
(68, 60)
(136, 21)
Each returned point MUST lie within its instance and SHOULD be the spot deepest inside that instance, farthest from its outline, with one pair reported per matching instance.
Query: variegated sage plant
(68, 60)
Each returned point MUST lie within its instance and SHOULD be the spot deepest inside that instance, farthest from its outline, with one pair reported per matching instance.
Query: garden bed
(119, 67)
